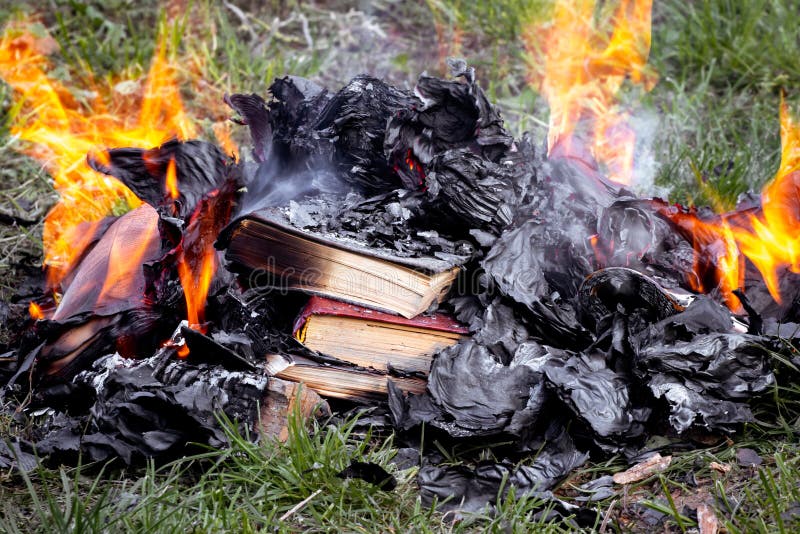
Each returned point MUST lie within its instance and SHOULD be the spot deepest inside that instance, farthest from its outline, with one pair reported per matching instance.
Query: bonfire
(543, 299)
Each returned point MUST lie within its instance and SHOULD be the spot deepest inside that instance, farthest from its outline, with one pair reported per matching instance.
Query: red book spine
(324, 306)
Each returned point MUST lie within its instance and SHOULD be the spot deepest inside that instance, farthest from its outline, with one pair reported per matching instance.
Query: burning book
(286, 257)
(370, 338)
(372, 347)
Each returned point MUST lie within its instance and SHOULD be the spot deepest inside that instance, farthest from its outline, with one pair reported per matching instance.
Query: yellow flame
(59, 132)
(35, 311)
(769, 239)
(171, 181)
(772, 242)
(579, 68)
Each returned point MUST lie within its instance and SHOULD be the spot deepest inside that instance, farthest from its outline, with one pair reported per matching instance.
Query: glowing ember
(35, 311)
(415, 167)
(599, 254)
(579, 68)
(60, 132)
(183, 351)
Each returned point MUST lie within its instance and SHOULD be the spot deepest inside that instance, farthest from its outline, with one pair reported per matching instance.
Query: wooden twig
(299, 505)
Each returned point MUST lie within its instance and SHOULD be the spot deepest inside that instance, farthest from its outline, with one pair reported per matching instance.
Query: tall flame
(197, 260)
(59, 131)
(579, 68)
(772, 242)
(769, 238)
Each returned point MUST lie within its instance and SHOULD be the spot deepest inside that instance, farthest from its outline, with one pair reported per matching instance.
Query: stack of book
(366, 310)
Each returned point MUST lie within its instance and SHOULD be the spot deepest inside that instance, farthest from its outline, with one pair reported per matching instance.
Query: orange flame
(35, 311)
(196, 281)
(222, 131)
(129, 255)
(580, 69)
(772, 242)
(171, 181)
(197, 261)
(718, 263)
(59, 131)
(770, 239)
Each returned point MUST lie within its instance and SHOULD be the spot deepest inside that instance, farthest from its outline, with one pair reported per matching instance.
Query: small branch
(299, 505)
(306, 32)
(243, 18)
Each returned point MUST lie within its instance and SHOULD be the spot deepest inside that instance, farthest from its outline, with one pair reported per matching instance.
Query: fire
(599, 254)
(127, 256)
(769, 238)
(772, 242)
(415, 167)
(718, 263)
(222, 131)
(171, 182)
(60, 132)
(196, 281)
(35, 311)
(579, 68)
(197, 259)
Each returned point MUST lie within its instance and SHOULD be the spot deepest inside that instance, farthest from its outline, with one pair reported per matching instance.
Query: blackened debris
(354, 122)
(471, 490)
(293, 111)
(572, 302)
(619, 289)
(16, 455)
(203, 349)
(704, 371)
(631, 233)
(305, 127)
(369, 472)
(448, 115)
(598, 396)
(253, 112)
(478, 394)
(478, 191)
(199, 166)
(154, 408)
(548, 249)
(711, 377)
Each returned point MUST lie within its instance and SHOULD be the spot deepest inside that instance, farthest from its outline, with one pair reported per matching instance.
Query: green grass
(246, 488)
(721, 66)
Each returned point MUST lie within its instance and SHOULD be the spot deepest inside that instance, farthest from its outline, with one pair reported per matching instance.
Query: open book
(279, 255)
